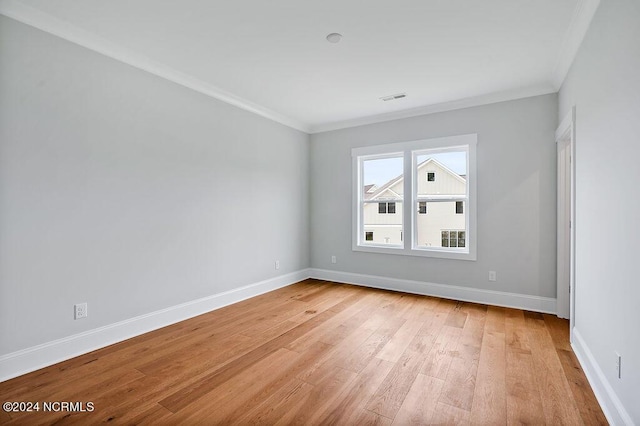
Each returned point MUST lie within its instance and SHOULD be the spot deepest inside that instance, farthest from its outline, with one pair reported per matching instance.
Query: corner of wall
(31, 359)
(606, 396)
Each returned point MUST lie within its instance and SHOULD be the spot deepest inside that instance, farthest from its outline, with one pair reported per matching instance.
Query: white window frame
(409, 151)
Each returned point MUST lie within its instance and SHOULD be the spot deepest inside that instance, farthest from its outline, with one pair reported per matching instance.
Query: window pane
(422, 207)
(368, 236)
(459, 207)
(442, 227)
(386, 229)
(382, 178)
(391, 208)
(382, 195)
(442, 174)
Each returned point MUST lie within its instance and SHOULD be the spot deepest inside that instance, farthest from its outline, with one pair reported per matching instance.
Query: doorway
(565, 141)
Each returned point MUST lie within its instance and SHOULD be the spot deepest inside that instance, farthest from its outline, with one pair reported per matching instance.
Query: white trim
(375, 199)
(583, 14)
(46, 354)
(65, 30)
(30, 359)
(487, 99)
(465, 294)
(567, 130)
(611, 405)
(566, 125)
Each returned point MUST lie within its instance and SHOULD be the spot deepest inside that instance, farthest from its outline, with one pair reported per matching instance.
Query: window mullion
(362, 201)
(408, 201)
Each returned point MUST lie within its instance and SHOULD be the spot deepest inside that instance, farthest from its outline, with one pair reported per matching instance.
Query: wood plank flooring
(324, 353)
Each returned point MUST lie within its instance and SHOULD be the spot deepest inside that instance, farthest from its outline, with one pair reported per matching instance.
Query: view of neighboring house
(439, 223)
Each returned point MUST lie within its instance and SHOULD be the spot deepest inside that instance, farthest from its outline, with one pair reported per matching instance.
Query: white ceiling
(271, 57)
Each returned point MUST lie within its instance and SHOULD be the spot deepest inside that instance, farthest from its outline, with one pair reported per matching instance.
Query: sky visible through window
(379, 172)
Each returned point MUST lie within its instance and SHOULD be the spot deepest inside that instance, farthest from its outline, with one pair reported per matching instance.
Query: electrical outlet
(333, 259)
(492, 276)
(80, 311)
(618, 365)
(277, 264)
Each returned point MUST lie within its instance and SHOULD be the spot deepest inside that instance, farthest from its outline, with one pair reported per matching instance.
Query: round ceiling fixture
(334, 38)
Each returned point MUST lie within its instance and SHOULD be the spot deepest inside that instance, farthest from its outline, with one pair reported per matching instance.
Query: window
(453, 238)
(406, 173)
(384, 208)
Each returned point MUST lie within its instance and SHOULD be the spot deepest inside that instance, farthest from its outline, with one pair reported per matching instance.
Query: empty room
(330, 212)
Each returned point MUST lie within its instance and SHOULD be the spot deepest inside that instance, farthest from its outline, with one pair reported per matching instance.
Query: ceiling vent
(394, 97)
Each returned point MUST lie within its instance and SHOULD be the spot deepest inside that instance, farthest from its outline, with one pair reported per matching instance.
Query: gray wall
(131, 193)
(604, 85)
(516, 197)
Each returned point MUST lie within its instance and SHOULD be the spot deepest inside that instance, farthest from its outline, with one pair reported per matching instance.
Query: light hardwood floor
(324, 353)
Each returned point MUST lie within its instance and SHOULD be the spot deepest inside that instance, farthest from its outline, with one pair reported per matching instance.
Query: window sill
(418, 252)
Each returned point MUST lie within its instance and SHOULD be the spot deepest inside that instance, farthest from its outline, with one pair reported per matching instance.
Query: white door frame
(566, 286)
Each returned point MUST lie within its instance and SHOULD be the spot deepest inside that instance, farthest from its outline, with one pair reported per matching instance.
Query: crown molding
(583, 14)
(491, 98)
(47, 23)
(33, 17)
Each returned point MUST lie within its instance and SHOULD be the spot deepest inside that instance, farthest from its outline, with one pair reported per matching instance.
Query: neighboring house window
(384, 208)
(449, 231)
(453, 238)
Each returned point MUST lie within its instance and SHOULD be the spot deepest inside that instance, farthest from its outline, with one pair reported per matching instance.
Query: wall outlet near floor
(80, 311)
(333, 259)
(618, 365)
(277, 264)
(492, 276)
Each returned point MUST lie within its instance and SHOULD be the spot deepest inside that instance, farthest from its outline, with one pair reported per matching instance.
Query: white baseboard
(46, 354)
(36, 357)
(465, 294)
(613, 409)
